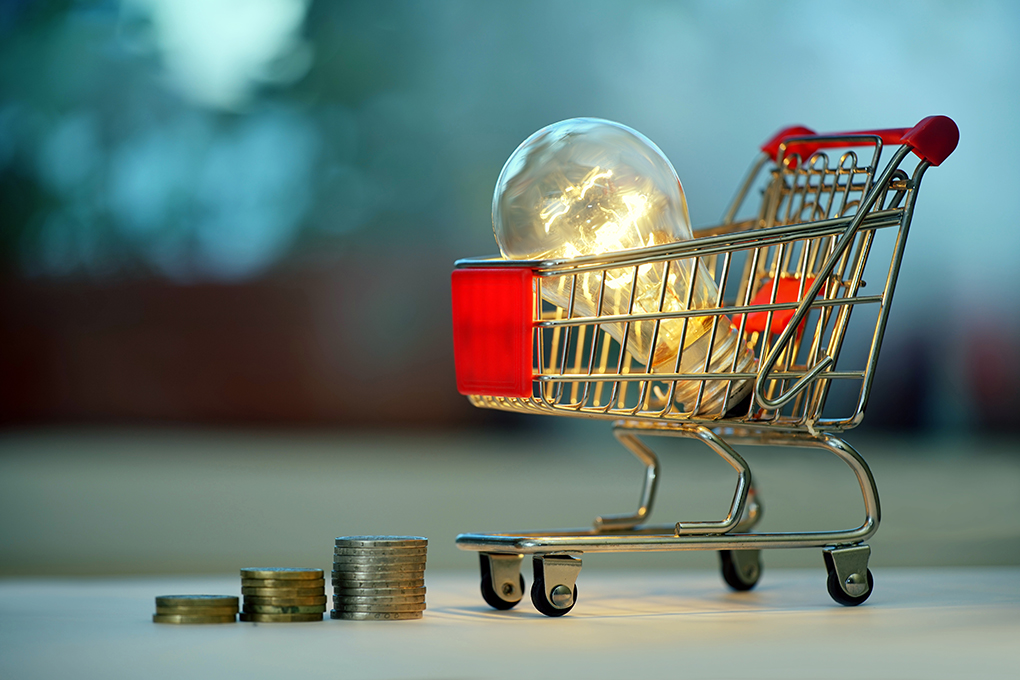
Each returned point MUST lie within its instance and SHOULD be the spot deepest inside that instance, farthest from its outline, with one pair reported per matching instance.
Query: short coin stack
(277, 595)
(195, 609)
(379, 578)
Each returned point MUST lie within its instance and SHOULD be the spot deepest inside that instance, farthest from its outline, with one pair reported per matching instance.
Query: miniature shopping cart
(806, 285)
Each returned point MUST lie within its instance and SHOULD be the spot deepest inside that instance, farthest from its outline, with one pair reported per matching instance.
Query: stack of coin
(276, 595)
(195, 609)
(379, 577)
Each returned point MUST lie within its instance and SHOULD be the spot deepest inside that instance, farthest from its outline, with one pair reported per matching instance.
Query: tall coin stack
(278, 595)
(195, 609)
(379, 578)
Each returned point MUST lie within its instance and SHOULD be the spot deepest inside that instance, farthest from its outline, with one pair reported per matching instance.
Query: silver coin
(379, 559)
(381, 541)
(380, 552)
(282, 583)
(418, 568)
(376, 585)
(341, 601)
(196, 601)
(374, 616)
(379, 591)
(354, 607)
(374, 576)
(281, 573)
(283, 592)
(284, 609)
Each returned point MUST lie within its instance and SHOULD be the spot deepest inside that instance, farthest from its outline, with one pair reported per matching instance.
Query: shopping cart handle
(933, 139)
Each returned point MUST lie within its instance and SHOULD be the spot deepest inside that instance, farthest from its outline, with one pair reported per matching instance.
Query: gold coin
(279, 618)
(281, 573)
(198, 611)
(284, 608)
(187, 618)
(374, 616)
(282, 583)
(196, 601)
(283, 592)
(304, 601)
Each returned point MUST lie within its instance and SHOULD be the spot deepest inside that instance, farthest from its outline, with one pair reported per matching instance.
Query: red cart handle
(932, 139)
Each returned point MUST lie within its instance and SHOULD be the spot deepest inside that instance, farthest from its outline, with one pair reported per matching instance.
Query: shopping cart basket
(820, 258)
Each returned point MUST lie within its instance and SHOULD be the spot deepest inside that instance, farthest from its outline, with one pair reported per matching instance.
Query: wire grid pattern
(587, 362)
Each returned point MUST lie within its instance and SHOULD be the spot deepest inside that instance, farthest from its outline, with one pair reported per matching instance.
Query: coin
(282, 583)
(283, 608)
(305, 601)
(280, 618)
(347, 567)
(384, 591)
(369, 581)
(198, 611)
(188, 618)
(345, 600)
(374, 616)
(382, 541)
(196, 601)
(282, 592)
(398, 552)
(281, 573)
(415, 607)
(374, 560)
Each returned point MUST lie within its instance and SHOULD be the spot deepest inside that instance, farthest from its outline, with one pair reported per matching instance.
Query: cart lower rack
(535, 337)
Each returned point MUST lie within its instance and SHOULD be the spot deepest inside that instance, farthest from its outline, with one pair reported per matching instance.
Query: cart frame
(803, 261)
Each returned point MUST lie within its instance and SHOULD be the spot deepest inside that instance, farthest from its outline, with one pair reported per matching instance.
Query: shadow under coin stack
(282, 595)
(195, 609)
(379, 578)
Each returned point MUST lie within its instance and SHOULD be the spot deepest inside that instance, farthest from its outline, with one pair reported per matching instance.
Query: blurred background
(221, 218)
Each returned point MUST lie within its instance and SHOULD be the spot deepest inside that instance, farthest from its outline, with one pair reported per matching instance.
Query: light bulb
(586, 186)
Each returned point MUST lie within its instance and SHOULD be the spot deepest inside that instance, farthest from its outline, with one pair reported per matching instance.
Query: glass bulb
(586, 186)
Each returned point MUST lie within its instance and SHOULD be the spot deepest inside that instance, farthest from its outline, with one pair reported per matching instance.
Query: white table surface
(932, 623)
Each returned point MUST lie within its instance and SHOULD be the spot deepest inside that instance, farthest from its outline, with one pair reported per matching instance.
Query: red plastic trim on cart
(492, 324)
(787, 291)
(933, 139)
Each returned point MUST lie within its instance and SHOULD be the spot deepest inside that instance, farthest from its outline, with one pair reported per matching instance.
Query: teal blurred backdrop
(245, 212)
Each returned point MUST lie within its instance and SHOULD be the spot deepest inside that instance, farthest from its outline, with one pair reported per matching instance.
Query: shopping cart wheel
(849, 580)
(741, 569)
(839, 595)
(505, 568)
(560, 572)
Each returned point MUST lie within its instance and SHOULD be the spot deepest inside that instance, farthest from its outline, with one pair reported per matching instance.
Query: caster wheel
(837, 593)
(489, 592)
(543, 605)
(740, 569)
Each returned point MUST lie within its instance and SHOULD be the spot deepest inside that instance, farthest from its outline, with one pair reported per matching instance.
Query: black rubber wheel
(489, 593)
(837, 593)
(494, 600)
(545, 606)
(734, 579)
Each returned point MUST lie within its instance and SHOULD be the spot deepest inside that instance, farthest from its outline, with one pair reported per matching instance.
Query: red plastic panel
(492, 324)
(787, 292)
